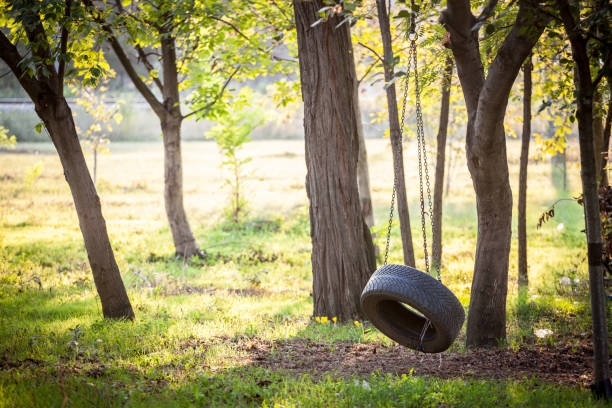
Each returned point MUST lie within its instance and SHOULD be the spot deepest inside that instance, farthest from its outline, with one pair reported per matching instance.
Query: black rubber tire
(392, 287)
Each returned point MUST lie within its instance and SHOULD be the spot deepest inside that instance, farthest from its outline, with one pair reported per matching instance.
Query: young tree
(395, 134)
(40, 51)
(523, 276)
(198, 44)
(581, 44)
(95, 136)
(486, 98)
(436, 250)
(342, 249)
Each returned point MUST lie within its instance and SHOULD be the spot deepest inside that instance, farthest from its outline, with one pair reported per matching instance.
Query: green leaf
(403, 14)
(38, 127)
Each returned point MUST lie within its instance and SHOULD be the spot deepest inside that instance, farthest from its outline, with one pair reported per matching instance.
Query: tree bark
(588, 173)
(363, 173)
(486, 101)
(606, 140)
(396, 136)
(523, 276)
(440, 162)
(342, 249)
(46, 93)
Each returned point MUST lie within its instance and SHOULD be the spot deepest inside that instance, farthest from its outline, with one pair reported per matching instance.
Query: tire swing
(409, 306)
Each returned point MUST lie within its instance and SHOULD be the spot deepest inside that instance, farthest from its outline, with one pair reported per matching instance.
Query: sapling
(231, 133)
(6, 141)
(95, 137)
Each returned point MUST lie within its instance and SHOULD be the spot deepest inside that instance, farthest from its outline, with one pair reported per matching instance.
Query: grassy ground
(187, 346)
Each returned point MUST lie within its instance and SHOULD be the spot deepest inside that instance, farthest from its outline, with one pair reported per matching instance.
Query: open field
(236, 329)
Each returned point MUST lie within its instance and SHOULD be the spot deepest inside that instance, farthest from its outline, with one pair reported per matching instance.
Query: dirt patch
(567, 364)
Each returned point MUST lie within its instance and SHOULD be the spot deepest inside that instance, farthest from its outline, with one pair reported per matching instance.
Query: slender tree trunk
(606, 140)
(170, 117)
(171, 121)
(342, 249)
(523, 276)
(558, 164)
(363, 173)
(598, 130)
(57, 117)
(440, 161)
(588, 173)
(449, 169)
(396, 137)
(486, 100)
(184, 242)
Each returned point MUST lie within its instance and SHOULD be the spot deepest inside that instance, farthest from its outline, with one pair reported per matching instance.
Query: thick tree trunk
(588, 173)
(523, 276)
(57, 117)
(440, 162)
(606, 140)
(486, 101)
(342, 249)
(363, 173)
(396, 137)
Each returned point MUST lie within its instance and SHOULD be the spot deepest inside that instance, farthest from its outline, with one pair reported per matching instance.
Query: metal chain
(423, 165)
(422, 152)
(396, 164)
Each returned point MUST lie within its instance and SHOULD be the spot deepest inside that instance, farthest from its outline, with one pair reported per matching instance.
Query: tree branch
(145, 61)
(527, 29)
(488, 10)
(243, 35)
(10, 55)
(373, 51)
(367, 72)
(219, 95)
(144, 90)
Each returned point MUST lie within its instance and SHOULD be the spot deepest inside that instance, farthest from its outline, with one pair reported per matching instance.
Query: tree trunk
(171, 121)
(184, 242)
(598, 130)
(449, 168)
(57, 117)
(523, 276)
(396, 137)
(342, 249)
(440, 162)
(558, 164)
(606, 140)
(170, 117)
(486, 101)
(47, 93)
(363, 173)
(588, 175)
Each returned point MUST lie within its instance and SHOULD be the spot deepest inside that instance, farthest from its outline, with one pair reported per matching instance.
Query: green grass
(256, 283)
